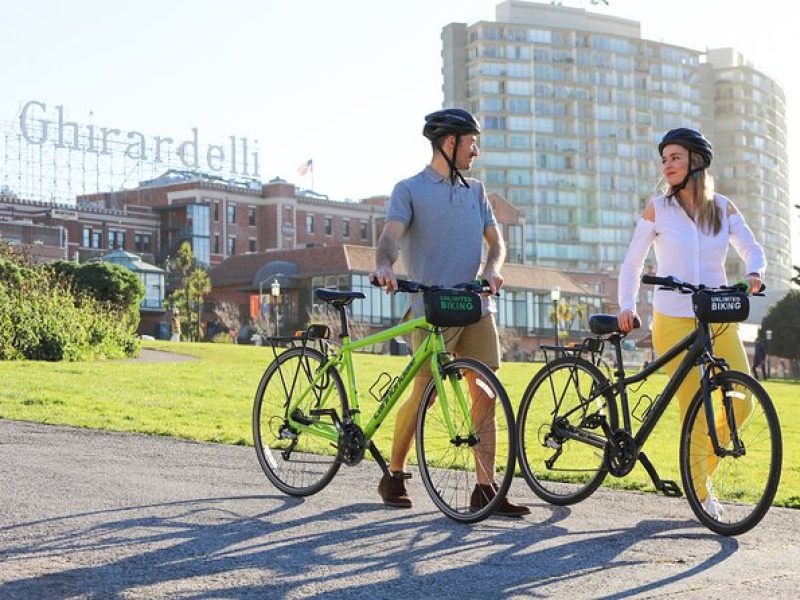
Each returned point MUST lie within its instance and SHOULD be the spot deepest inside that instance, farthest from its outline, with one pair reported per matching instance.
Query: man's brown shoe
(393, 490)
(483, 494)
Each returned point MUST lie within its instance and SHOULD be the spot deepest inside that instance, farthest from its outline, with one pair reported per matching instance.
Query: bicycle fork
(708, 385)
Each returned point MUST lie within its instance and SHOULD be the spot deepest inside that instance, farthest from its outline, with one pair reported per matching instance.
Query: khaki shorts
(478, 341)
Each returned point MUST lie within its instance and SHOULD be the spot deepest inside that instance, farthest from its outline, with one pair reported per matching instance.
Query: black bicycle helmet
(695, 143)
(450, 121)
(692, 140)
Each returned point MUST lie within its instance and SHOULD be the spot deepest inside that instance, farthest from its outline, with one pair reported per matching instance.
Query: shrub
(45, 316)
(223, 337)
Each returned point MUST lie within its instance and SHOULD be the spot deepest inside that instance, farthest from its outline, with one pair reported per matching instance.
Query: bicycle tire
(449, 465)
(297, 463)
(561, 391)
(743, 486)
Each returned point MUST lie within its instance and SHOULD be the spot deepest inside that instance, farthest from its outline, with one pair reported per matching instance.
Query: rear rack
(315, 333)
(591, 345)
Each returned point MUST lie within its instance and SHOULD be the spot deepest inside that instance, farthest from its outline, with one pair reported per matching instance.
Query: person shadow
(267, 546)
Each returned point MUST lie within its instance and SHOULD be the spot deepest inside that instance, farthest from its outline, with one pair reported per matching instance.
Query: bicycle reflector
(721, 306)
(446, 307)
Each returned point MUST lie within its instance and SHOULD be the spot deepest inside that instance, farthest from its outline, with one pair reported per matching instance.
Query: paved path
(93, 514)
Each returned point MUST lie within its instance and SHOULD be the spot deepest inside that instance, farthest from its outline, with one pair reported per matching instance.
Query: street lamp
(275, 290)
(768, 335)
(555, 296)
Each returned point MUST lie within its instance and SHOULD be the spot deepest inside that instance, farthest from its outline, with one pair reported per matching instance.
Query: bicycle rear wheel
(731, 494)
(559, 430)
(298, 463)
(457, 451)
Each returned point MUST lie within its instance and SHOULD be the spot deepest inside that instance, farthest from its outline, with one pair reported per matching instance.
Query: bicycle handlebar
(673, 283)
(414, 287)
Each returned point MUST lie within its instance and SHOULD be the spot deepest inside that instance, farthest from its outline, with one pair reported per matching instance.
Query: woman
(690, 228)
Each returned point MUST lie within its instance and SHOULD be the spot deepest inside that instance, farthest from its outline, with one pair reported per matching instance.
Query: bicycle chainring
(352, 444)
(622, 452)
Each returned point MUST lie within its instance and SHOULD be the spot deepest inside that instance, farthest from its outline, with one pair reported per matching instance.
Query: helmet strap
(693, 173)
(451, 161)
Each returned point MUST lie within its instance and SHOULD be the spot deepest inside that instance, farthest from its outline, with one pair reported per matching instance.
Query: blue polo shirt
(445, 224)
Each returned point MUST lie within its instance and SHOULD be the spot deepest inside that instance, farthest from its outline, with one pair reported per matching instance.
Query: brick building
(524, 303)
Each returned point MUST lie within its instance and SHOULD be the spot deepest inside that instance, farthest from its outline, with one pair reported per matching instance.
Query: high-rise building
(573, 105)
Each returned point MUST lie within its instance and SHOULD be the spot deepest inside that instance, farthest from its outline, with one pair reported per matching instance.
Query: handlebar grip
(653, 280)
(488, 288)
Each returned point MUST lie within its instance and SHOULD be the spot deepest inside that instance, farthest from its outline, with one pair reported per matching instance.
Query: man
(439, 220)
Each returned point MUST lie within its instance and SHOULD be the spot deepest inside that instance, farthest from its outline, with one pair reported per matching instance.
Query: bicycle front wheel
(732, 493)
(465, 437)
(298, 461)
(560, 435)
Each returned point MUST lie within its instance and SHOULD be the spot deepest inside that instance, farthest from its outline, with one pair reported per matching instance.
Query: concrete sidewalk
(97, 514)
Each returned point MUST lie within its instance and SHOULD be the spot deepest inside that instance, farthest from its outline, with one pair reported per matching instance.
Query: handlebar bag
(721, 306)
(447, 307)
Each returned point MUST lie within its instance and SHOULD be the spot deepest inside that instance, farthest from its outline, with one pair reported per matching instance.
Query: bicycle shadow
(234, 547)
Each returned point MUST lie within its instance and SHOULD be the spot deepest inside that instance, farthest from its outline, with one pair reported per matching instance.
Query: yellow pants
(668, 331)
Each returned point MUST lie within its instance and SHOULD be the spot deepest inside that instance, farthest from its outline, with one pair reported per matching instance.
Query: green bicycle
(307, 419)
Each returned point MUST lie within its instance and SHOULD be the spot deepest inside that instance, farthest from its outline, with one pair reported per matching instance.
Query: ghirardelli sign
(40, 124)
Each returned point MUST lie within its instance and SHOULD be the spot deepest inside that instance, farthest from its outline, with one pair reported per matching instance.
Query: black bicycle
(570, 436)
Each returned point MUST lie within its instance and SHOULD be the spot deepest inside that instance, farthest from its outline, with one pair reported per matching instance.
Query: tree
(230, 316)
(509, 340)
(783, 319)
(566, 313)
(325, 315)
(105, 282)
(796, 278)
(191, 286)
(264, 326)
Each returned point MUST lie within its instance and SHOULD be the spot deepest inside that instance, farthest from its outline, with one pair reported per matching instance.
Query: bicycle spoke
(559, 468)
(730, 494)
(461, 444)
(298, 462)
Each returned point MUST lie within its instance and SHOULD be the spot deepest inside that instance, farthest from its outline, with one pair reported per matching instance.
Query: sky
(344, 83)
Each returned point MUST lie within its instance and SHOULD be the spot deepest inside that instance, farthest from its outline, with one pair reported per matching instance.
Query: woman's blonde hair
(701, 183)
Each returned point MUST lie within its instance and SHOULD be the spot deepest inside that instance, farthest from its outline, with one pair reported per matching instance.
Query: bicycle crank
(622, 453)
(352, 444)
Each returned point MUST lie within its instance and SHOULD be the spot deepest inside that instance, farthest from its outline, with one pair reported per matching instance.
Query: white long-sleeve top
(684, 251)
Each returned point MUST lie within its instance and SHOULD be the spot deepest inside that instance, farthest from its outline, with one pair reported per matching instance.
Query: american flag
(306, 168)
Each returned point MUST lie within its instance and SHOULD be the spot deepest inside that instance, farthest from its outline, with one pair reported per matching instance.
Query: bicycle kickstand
(666, 486)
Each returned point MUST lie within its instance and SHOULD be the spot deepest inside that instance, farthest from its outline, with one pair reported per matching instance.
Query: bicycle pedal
(670, 489)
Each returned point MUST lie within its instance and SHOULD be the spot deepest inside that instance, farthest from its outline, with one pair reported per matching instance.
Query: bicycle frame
(432, 349)
(699, 352)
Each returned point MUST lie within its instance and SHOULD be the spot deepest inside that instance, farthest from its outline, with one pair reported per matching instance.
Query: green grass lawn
(210, 399)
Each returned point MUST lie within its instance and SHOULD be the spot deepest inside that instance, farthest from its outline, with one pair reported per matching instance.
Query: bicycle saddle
(336, 297)
(604, 324)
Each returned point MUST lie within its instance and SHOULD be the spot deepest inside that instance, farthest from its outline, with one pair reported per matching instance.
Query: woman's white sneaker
(712, 507)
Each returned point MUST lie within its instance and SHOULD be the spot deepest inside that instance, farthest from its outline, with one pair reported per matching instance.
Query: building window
(363, 231)
(216, 211)
(87, 237)
(96, 239)
(231, 208)
(328, 225)
(141, 242)
(346, 228)
(216, 243)
(231, 245)
(116, 239)
(251, 245)
(309, 223)
(251, 215)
